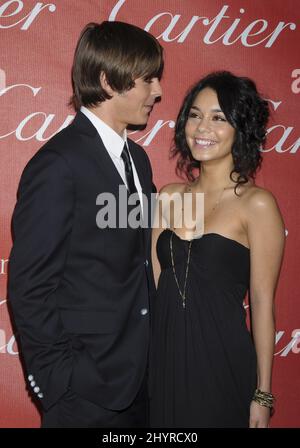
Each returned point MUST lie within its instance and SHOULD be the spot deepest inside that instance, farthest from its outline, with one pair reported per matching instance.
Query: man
(80, 292)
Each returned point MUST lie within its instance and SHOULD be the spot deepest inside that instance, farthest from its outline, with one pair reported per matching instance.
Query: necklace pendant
(181, 293)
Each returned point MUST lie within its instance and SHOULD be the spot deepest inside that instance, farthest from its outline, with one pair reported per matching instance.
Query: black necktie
(128, 170)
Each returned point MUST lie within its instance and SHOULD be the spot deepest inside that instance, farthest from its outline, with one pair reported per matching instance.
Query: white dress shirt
(114, 144)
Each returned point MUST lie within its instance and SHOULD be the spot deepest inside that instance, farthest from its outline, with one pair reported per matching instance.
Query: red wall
(256, 38)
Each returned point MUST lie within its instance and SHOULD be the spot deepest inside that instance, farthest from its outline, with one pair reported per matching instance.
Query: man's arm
(42, 225)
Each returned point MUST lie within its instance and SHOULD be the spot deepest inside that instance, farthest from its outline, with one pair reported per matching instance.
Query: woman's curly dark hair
(244, 109)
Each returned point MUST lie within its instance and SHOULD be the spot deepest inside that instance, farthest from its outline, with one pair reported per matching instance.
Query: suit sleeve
(42, 227)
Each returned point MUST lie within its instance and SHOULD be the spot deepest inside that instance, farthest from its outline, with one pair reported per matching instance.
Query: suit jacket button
(144, 311)
(30, 377)
(36, 389)
(146, 263)
(32, 384)
(40, 395)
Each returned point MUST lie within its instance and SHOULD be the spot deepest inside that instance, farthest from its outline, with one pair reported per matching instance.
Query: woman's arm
(266, 240)
(164, 218)
(159, 224)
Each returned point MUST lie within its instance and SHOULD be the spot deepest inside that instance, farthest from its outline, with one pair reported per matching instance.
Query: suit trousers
(73, 411)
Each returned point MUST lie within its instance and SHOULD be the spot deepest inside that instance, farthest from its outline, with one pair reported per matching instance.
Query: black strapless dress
(202, 358)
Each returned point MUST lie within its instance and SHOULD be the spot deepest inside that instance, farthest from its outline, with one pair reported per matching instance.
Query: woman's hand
(259, 416)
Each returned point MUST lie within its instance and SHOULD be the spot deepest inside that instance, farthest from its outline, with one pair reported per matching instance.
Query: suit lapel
(106, 165)
(137, 159)
(95, 147)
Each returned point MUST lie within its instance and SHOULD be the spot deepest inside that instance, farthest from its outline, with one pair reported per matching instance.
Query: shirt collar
(112, 141)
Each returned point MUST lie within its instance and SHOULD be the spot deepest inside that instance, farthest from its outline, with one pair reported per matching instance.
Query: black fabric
(77, 291)
(202, 361)
(74, 411)
(128, 170)
(130, 181)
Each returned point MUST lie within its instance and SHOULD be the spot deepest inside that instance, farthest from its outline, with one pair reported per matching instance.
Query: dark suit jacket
(79, 294)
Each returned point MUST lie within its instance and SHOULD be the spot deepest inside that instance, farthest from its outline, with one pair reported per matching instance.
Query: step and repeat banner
(255, 38)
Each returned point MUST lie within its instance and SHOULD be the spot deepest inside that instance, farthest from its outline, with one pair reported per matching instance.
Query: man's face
(134, 106)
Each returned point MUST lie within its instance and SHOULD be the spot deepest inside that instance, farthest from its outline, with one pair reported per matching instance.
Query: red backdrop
(256, 38)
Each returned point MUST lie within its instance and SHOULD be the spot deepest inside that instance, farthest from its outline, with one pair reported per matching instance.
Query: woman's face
(208, 133)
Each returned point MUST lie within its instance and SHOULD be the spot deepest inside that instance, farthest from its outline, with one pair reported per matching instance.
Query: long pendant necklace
(182, 293)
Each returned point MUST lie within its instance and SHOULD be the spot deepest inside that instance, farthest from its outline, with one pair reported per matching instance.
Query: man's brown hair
(123, 52)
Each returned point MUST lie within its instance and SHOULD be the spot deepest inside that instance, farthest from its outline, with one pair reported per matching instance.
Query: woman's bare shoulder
(259, 203)
(254, 196)
(173, 188)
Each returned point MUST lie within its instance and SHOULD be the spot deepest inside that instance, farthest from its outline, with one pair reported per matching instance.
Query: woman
(205, 370)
